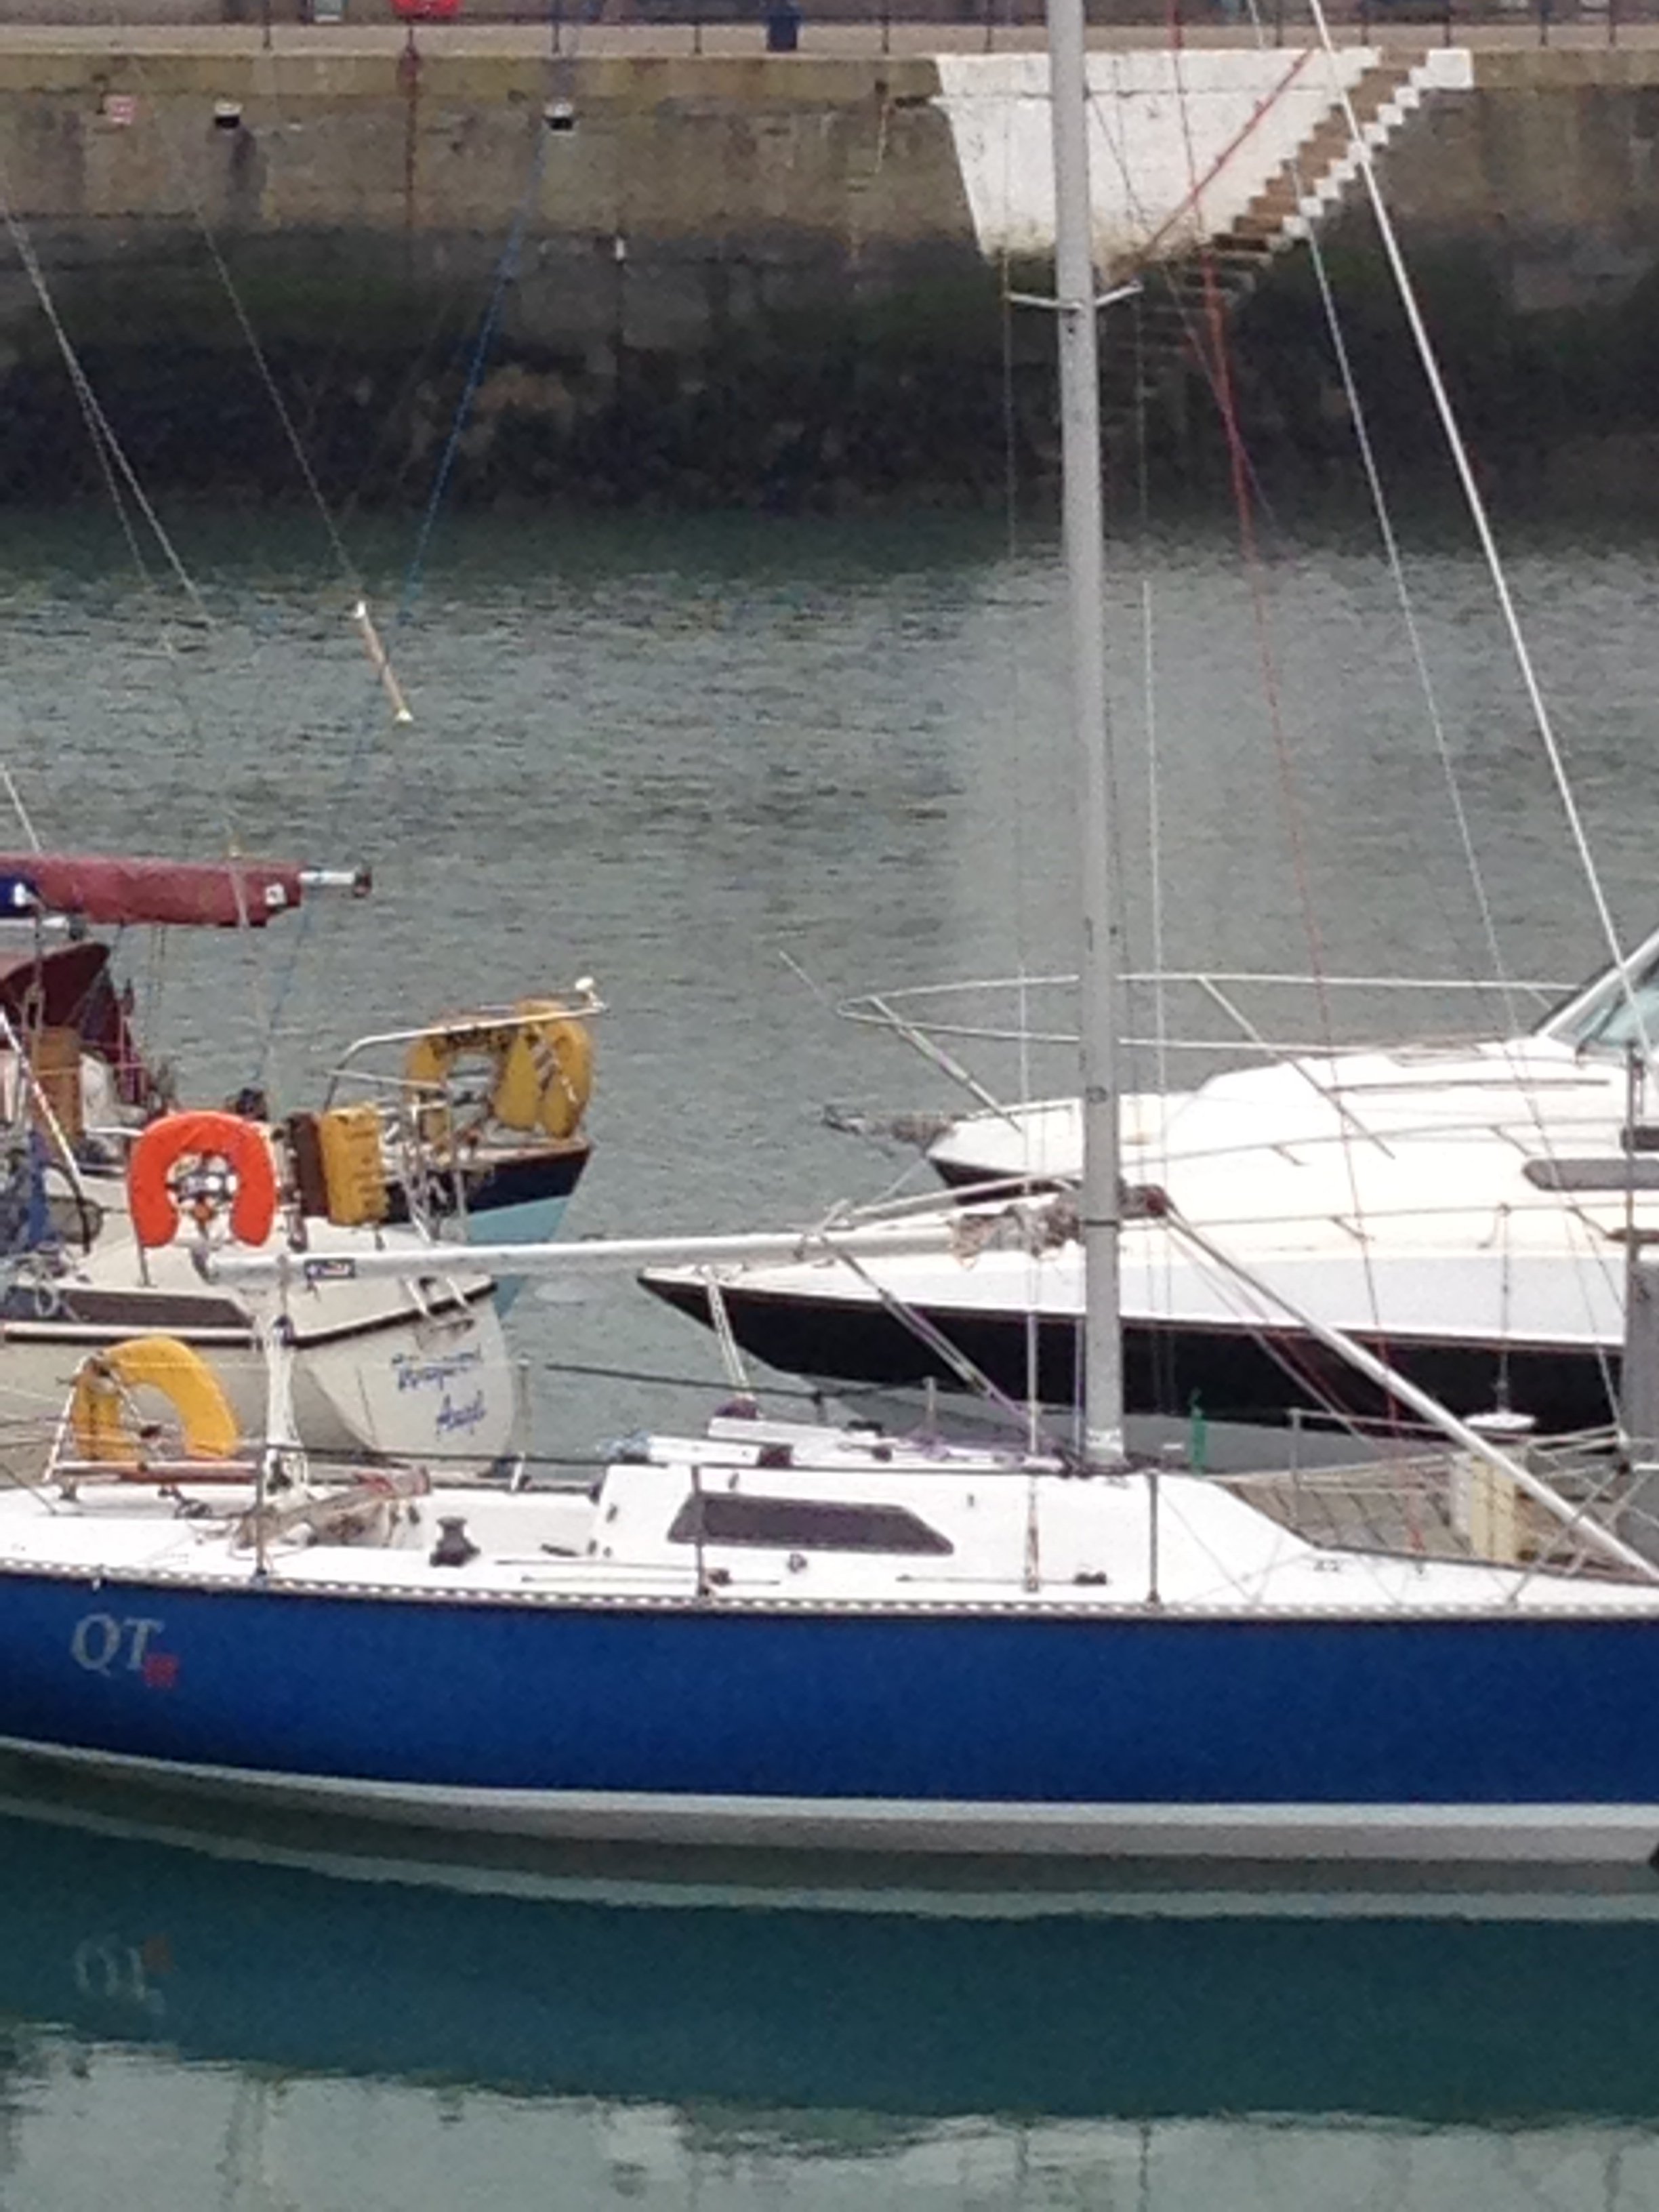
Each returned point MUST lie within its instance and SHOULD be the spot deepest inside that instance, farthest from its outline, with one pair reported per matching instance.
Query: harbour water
(194, 2014)
(735, 770)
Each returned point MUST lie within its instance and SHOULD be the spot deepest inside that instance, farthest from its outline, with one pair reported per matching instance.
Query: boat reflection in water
(757, 2013)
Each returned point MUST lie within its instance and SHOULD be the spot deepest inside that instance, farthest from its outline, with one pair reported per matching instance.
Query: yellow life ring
(100, 1409)
(543, 1062)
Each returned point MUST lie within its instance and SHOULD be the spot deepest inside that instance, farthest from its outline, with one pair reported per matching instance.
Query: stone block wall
(721, 278)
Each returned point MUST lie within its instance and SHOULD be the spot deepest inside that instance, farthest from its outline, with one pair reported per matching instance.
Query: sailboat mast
(1079, 403)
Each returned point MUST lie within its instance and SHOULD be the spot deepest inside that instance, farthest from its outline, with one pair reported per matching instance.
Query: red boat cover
(68, 987)
(115, 890)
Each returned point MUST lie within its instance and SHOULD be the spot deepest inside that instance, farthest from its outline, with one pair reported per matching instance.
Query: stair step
(1197, 300)
(1180, 296)
(1326, 147)
(1193, 299)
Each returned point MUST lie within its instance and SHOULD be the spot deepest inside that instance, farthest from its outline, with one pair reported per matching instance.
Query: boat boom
(596, 1257)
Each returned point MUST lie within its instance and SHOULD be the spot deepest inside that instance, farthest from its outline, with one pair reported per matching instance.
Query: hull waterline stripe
(1559, 1835)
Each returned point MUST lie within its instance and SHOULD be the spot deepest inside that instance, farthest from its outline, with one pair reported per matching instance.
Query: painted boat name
(110, 1644)
(415, 1374)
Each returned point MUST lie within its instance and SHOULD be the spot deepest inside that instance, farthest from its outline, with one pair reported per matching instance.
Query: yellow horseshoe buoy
(101, 1413)
(543, 1062)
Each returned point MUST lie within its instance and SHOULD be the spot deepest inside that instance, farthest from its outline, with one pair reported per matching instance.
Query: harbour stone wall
(743, 277)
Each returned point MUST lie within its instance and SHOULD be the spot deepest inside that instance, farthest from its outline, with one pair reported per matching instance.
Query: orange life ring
(240, 1143)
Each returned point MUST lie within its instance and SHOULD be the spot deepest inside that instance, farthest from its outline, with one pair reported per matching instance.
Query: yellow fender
(543, 1066)
(547, 1077)
(100, 1412)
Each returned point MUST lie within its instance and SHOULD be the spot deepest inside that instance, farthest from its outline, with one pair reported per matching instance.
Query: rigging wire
(1219, 380)
(1164, 1354)
(348, 569)
(1357, 416)
(1190, 327)
(117, 472)
(1361, 426)
(1217, 368)
(185, 179)
(19, 809)
(1242, 475)
(110, 451)
(506, 271)
(1139, 267)
(183, 175)
(1477, 506)
(1017, 798)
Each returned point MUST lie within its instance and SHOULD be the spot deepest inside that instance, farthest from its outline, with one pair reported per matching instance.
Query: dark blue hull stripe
(1239, 1374)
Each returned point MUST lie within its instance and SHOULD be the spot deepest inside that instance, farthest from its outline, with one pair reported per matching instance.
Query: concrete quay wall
(731, 275)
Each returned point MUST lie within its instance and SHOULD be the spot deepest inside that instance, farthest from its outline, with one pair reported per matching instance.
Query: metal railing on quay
(796, 25)
(914, 27)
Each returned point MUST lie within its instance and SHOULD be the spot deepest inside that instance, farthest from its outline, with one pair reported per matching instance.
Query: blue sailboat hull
(975, 1728)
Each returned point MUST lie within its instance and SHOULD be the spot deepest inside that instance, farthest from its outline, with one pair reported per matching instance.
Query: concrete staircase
(1176, 336)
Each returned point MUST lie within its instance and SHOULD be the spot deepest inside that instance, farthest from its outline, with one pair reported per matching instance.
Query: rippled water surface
(735, 771)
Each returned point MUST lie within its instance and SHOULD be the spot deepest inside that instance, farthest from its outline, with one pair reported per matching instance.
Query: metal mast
(1079, 402)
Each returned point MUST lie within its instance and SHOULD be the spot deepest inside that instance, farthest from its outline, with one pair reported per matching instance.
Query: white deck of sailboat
(1383, 1191)
(1535, 1091)
(321, 1306)
(939, 1528)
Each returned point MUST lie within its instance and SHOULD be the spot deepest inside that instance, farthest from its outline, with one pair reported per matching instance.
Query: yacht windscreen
(801, 1524)
(1607, 1018)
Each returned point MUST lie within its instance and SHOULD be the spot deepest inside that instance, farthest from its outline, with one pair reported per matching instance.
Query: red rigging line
(1218, 370)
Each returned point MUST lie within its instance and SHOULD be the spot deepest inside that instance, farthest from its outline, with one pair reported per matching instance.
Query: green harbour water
(736, 770)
